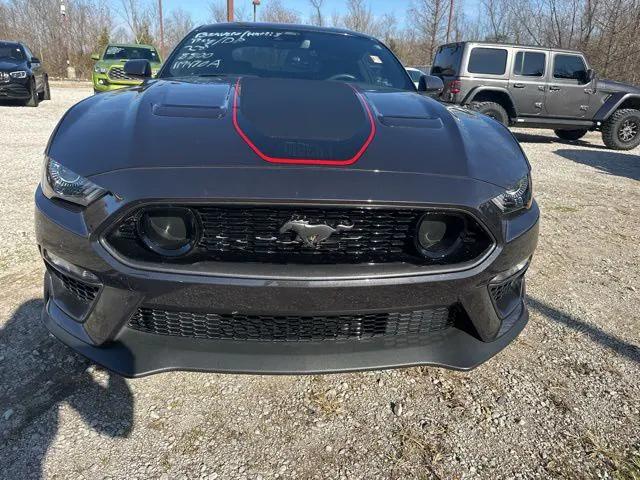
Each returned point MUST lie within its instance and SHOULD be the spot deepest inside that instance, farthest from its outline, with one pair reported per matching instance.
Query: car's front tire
(46, 91)
(493, 110)
(621, 131)
(571, 135)
(34, 99)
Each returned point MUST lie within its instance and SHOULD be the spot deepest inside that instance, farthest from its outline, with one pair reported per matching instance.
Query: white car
(415, 74)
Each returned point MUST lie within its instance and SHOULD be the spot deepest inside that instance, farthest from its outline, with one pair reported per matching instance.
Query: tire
(621, 131)
(34, 100)
(493, 110)
(570, 134)
(46, 91)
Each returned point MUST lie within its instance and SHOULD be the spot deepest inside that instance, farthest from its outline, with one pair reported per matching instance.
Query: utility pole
(449, 21)
(255, 6)
(229, 10)
(161, 28)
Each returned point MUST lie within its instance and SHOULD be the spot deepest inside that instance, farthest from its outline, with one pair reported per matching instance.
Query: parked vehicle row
(22, 76)
(539, 88)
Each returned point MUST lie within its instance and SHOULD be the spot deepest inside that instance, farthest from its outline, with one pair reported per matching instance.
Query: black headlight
(169, 231)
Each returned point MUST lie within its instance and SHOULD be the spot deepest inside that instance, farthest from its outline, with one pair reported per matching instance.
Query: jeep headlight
(60, 182)
(519, 196)
(99, 69)
(19, 74)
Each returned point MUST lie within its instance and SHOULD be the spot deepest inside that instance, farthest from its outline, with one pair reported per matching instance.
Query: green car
(108, 72)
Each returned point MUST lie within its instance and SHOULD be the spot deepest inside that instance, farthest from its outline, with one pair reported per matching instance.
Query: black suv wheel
(570, 134)
(34, 99)
(493, 110)
(621, 131)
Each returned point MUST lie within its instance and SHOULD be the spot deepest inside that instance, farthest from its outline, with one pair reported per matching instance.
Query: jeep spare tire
(493, 110)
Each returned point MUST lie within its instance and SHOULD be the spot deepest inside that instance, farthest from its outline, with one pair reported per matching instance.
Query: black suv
(539, 88)
(22, 76)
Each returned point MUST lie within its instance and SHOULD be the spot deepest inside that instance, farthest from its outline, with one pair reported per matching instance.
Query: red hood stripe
(305, 161)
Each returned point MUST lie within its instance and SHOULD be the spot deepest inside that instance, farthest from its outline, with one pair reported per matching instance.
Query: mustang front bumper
(94, 317)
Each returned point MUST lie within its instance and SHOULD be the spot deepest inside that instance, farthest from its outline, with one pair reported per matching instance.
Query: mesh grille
(81, 290)
(291, 328)
(117, 73)
(252, 234)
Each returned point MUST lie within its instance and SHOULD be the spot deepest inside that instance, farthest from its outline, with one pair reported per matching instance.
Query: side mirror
(95, 57)
(591, 74)
(430, 85)
(138, 68)
(35, 61)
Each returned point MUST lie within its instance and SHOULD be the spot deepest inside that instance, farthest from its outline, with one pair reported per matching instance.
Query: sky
(200, 11)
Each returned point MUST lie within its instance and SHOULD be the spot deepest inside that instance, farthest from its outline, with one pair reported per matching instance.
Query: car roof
(133, 45)
(512, 45)
(286, 26)
(11, 42)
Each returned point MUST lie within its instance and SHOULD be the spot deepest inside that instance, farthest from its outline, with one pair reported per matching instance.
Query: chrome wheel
(628, 130)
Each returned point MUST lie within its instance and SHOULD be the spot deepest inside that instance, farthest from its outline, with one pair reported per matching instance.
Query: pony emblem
(312, 235)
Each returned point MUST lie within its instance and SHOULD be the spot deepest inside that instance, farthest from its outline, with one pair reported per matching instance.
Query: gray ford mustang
(281, 199)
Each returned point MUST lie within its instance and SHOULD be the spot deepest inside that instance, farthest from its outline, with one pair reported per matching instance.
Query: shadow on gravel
(38, 375)
(613, 163)
(626, 349)
(551, 138)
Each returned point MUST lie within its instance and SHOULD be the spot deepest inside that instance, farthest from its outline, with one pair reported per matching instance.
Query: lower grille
(83, 291)
(291, 328)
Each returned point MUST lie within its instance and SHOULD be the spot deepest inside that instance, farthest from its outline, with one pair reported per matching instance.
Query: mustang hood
(277, 123)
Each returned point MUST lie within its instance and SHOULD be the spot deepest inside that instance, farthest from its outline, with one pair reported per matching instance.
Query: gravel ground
(563, 401)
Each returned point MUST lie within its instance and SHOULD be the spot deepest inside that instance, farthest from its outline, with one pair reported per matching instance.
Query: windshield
(269, 52)
(11, 51)
(114, 52)
(447, 61)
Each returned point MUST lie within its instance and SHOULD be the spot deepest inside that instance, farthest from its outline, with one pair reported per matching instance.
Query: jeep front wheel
(621, 131)
(570, 134)
(493, 110)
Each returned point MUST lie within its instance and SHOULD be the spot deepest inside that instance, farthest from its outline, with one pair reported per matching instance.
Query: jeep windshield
(286, 53)
(447, 61)
(115, 52)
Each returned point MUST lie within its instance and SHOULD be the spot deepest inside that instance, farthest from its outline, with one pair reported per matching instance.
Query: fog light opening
(170, 232)
(440, 235)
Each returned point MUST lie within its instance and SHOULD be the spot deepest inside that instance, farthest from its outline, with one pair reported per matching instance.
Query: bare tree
(316, 17)
(359, 17)
(276, 12)
(176, 27)
(218, 11)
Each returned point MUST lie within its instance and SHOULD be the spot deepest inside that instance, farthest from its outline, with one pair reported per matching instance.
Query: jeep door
(569, 91)
(527, 81)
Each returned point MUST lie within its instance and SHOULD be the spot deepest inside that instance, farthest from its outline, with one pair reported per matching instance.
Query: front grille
(83, 291)
(117, 73)
(252, 234)
(269, 328)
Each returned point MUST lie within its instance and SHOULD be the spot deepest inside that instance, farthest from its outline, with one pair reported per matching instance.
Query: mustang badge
(312, 235)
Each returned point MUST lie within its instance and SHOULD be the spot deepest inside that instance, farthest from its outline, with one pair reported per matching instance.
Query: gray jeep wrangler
(539, 88)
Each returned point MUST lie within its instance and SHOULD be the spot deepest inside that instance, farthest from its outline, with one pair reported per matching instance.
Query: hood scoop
(302, 121)
(199, 100)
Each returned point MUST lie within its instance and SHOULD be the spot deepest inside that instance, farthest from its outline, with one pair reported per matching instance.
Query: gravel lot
(563, 401)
